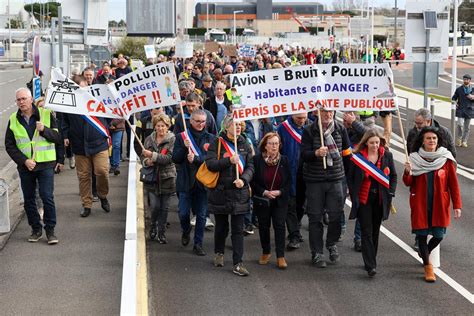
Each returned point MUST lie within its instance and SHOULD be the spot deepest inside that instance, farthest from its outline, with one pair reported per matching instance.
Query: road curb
(431, 95)
(9, 174)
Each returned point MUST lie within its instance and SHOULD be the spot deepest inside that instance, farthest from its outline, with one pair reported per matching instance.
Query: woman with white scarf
(431, 176)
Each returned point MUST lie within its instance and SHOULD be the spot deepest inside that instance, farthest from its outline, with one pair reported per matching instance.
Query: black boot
(86, 212)
(105, 205)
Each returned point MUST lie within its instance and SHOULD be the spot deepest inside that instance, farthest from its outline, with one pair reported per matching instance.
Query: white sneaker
(458, 142)
(209, 222)
(464, 144)
(72, 162)
(193, 221)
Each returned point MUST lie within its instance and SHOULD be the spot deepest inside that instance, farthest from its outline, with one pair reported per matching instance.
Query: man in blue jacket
(189, 153)
(91, 149)
(290, 132)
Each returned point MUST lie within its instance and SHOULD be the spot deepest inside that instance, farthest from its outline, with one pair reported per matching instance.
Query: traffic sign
(36, 88)
(36, 55)
(463, 41)
(331, 39)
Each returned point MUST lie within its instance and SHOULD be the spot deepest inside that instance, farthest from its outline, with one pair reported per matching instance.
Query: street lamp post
(454, 64)
(207, 16)
(235, 27)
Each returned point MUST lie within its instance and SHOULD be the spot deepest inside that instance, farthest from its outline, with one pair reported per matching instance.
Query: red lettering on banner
(89, 103)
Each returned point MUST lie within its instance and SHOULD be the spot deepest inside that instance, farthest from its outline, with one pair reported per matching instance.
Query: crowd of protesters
(272, 171)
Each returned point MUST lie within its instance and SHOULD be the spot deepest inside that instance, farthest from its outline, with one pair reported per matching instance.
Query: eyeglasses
(199, 121)
(21, 99)
(273, 143)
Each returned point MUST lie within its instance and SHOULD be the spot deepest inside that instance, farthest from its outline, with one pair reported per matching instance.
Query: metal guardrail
(128, 303)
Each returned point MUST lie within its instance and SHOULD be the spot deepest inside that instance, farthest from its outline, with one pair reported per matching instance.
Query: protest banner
(147, 88)
(247, 50)
(184, 49)
(211, 47)
(65, 96)
(144, 89)
(230, 50)
(150, 51)
(285, 91)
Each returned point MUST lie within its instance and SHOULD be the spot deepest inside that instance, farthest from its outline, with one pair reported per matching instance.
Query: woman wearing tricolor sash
(231, 196)
(431, 176)
(372, 183)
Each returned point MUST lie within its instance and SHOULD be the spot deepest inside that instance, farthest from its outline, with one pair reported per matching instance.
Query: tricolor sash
(193, 146)
(371, 169)
(230, 149)
(99, 126)
(292, 131)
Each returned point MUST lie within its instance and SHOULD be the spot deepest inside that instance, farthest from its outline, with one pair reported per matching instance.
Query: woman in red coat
(431, 176)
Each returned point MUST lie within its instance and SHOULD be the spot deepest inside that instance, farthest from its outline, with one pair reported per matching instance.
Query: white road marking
(2, 83)
(12, 80)
(446, 278)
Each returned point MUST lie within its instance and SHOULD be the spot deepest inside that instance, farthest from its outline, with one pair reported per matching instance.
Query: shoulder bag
(261, 202)
(205, 176)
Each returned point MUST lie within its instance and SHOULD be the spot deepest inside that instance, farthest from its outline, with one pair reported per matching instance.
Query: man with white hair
(30, 141)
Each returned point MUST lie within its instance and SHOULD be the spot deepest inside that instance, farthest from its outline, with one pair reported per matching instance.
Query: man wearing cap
(464, 96)
(323, 173)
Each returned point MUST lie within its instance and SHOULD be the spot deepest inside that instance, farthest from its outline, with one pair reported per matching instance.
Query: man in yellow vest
(30, 141)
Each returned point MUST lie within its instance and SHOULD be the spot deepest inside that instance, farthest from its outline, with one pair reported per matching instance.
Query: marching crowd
(267, 172)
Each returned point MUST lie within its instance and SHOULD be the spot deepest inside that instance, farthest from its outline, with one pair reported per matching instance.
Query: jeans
(324, 196)
(370, 218)
(237, 235)
(463, 128)
(45, 179)
(159, 205)
(266, 217)
(357, 232)
(116, 154)
(197, 200)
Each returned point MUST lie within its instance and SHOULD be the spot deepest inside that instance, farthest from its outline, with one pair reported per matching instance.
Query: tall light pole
(207, 16)
(9, 33)
(372, 35)
(395, 31)
(454, 70)
(235, 27)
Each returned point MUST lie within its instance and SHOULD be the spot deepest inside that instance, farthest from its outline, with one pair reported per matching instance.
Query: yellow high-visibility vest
(45, 150)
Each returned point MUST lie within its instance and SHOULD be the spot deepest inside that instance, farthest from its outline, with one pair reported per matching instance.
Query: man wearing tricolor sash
(89, 139)
(189, 153)
(290, 132)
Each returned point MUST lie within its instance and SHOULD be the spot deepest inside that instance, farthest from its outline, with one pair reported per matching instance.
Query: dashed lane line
(442, 275)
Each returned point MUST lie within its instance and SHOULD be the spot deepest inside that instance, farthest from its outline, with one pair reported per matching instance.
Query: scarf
(437, 159)
(271, 161)
(467, 89)
(330, 143)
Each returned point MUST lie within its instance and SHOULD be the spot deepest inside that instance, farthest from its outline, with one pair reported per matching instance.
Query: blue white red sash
(292, 131)
(193, 146)
(371, 169)
(99, 126)
(231, 151)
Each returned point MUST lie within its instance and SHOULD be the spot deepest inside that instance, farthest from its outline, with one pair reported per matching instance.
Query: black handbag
(148, 175)
(261, 202)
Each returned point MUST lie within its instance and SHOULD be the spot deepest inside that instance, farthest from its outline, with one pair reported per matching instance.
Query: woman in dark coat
(372, 184)
(271, 181)
(231, 196)
(158, 150)
(431, 176)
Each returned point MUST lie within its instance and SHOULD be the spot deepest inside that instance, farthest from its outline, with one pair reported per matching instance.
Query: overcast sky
(117, 7)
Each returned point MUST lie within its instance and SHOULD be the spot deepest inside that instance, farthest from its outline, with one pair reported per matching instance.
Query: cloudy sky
(117, 7)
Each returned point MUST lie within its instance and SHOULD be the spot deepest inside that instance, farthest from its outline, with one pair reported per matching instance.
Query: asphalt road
(82, 275)
(10, 80)
(403, 75)
(183, 283)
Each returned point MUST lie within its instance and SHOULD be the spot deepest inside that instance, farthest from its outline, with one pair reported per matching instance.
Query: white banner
(285, 91)
(184, 49)
(144, 89)
(147, 88)
(63, 95)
